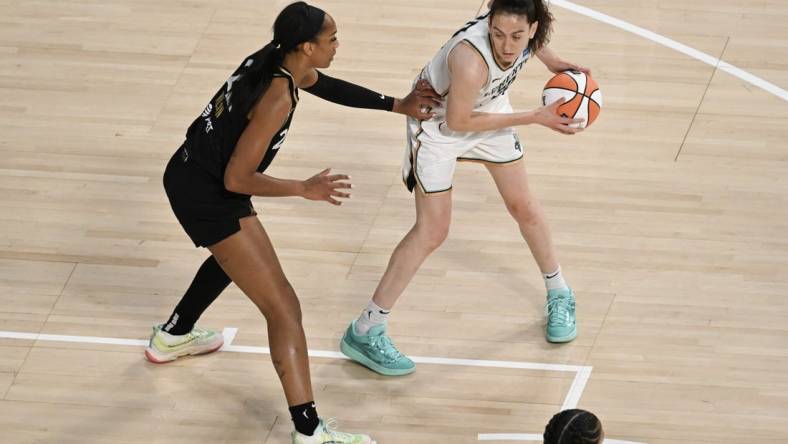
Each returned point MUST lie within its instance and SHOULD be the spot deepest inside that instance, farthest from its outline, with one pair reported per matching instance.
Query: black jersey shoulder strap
(280, 71)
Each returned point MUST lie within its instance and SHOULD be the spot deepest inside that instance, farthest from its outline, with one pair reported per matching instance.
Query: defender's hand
(325, 186)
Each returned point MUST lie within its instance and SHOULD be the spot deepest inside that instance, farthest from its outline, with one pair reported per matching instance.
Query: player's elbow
(456, 123)
(233, 183)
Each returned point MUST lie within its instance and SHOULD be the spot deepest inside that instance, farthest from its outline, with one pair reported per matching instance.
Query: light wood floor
(670, 217)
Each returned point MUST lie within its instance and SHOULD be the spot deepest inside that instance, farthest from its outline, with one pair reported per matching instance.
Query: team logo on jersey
(218, 108)
(206, 115)
(229, 94)
(502, 87)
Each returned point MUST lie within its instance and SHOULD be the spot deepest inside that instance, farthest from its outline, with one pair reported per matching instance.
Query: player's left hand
(419, 103)
(562, 65)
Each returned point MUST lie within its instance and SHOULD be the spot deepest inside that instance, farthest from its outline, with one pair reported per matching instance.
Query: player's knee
(525, 212)
(285, 316)
(433, 234)
(290, 315)
(282, 306)
(290, 310)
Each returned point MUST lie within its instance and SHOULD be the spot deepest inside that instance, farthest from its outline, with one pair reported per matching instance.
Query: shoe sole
(158, 358)
(359, 357)
(561, 339)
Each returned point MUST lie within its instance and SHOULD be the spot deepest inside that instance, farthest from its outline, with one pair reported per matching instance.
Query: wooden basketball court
(670, 217)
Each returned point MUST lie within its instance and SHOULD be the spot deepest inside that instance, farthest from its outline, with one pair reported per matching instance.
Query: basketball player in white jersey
(472, 72)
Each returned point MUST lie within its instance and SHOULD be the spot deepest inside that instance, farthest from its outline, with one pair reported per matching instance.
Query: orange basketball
(583, 98)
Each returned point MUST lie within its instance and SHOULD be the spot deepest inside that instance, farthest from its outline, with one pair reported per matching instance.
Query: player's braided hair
(296, 24)
(573, 426)
(535, 10)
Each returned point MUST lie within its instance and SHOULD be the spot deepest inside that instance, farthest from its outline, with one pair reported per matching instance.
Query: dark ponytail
(535, 11)
(296, 24)
(573, 426)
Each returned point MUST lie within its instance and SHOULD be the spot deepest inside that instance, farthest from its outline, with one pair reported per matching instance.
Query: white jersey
(476, 33)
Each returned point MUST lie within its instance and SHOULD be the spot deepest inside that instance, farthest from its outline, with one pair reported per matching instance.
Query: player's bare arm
(468, 75)
(556, 64)
(241, 175)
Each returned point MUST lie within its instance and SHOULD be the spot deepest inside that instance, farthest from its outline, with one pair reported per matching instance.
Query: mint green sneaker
(375, 351)
(560, 312)
(325, 433)
(164, 347)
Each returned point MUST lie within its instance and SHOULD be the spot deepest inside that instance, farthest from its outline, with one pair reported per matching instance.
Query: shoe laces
(330, 427)
(384, 345)
(558, 308)
(196, 332)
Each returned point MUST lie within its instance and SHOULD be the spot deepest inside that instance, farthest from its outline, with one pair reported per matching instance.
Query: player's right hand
(325, 186)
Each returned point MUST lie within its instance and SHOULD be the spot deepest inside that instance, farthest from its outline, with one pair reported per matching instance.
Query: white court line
(570, 402)
(577, 388)
(229, 336)
(582, 373)
(77, 339)
(680, 47)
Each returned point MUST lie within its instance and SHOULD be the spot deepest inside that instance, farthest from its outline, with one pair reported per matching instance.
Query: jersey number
(469, 24)
(281, 141)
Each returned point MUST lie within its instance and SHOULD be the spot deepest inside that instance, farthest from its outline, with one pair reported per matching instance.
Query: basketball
(583, 98)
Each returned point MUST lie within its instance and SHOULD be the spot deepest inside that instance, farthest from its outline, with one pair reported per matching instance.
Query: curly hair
(573, 426)
(535, 11)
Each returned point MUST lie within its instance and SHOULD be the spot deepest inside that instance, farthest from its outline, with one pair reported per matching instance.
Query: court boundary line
(582, 373)
(673, 44)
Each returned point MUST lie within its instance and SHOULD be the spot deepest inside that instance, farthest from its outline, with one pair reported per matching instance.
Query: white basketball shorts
(433, 151)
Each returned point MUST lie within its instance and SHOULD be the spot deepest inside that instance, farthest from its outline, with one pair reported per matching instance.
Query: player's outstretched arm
(556, 64)
(416, 104)
(468, 75)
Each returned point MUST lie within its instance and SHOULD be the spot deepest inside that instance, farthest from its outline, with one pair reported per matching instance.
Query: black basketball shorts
(205, 209)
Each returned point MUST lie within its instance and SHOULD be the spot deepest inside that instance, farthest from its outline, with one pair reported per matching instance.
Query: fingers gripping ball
(582, 94)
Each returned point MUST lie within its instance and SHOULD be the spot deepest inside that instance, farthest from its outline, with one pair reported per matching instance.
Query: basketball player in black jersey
(211, 177)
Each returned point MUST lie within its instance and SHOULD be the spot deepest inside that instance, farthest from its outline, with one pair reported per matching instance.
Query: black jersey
(213, 135)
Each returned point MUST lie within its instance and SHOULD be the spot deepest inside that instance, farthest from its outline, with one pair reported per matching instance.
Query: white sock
(371, 316)
(555, 280)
